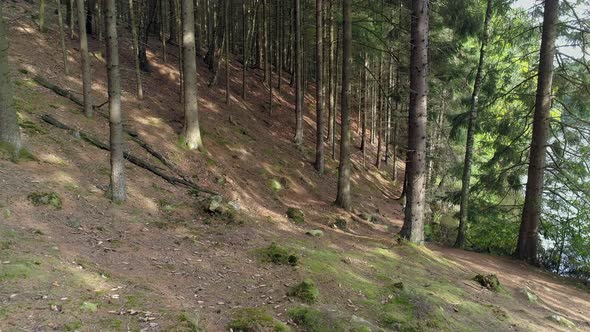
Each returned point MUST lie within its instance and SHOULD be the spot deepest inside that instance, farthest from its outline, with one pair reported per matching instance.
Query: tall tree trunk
(319, 156)
(72, 20)
(117, 189)
(62, 37)
(192, 131)
(331, 89)
(465, 186)
(528, 238)
(298, 76)
(227, 58)
(9, 129)
(42, 16)
(135, 38)
(86, 79)
(343, 198)
(244, 46)
(163, 33)
(413, 228)
(269, 56)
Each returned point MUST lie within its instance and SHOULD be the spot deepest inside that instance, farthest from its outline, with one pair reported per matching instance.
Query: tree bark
(135, 38)
(62, 37)
(319, 156)
(86, 79)
(227, 58)
(298, 76)
(528, 238)
(413, 228)
(465, 185)
(117, 189)
(343, 198)
(192, 131)
(9, 129)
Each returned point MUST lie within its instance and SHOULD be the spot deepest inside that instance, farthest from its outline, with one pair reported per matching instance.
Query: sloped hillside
(174, 259)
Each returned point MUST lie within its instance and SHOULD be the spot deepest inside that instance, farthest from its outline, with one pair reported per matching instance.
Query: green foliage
(305, 291)
(296, 215)
(489, 281)
(278, 254)
(255, 320)
(45, 198)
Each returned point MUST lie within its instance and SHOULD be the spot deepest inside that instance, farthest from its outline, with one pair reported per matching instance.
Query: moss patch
(296, 215)
(489, 281)
(306, 291)
(45, 198)
(277, 254)
(255, 320)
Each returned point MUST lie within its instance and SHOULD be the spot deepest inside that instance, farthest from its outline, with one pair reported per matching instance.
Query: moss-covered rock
(278, 255)
(255, 320)
(45, 198)
(489, 281)
(306, 291)
(562, 321)
(296, 215)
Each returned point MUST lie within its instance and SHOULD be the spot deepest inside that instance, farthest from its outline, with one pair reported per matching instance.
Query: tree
(413, 228)
(319, 157)
(473, 109)
(62, 37)
(528, 237)
(135, 37)
(86, 79)
(117, 189)
(298, 76)
(343, 198)
(226, 51)
(192, 131)
(9, 129)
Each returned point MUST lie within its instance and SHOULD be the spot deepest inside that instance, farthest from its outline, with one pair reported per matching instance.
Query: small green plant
(489, 281)
(255, 320)
(306, 291)
(45, 198)
(307, 318)
(275, 185)
(278, 255)
(296, 215)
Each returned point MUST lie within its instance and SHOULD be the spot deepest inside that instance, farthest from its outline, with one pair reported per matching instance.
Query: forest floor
(160, 262)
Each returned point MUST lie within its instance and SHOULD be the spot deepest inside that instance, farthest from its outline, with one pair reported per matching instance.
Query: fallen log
(133, 159)
(133, 134)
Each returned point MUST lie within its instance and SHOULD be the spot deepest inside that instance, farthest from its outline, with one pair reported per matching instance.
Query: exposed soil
(160, 252)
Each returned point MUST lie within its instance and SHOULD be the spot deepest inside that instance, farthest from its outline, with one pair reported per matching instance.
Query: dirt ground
(159, 255)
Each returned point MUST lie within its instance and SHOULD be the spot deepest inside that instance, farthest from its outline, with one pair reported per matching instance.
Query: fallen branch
(133, 159)
(133, 134)
(60, 91)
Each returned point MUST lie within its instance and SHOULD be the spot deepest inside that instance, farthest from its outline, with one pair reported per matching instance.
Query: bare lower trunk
(319, 157)
(9, 129)
(135, 38)
(86, 79)
(118, 190)
(465, 185)
(192, 131)
(413, 228)
(528, 238)
(298, 77)
(62, 37)
(343, 198)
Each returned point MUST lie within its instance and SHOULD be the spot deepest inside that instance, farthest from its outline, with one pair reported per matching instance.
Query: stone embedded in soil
(562, 321)
(315, 232)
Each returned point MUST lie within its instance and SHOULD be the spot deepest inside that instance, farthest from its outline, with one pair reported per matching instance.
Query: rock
(214, 203)
(296, 215)
(315, 232)
(234, 205)
(562, 321)
(341, 224)
(532, 297)
(489, 281)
